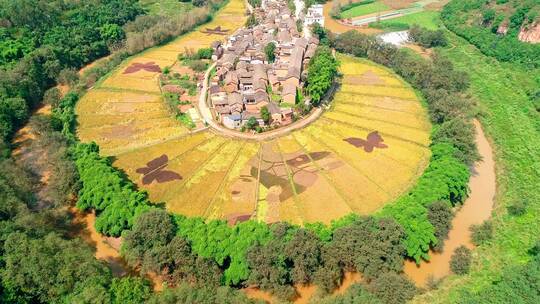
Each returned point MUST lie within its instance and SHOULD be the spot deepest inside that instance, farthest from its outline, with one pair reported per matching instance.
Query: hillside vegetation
(493, 26)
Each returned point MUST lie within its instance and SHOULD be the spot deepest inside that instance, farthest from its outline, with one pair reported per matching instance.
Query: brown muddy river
(476, 209)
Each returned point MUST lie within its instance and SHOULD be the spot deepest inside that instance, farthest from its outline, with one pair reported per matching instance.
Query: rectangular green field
(364, 9)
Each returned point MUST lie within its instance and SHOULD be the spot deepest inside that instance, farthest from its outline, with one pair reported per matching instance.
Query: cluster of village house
(245, 81)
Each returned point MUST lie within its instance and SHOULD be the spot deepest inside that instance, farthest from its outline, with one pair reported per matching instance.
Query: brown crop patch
(373, 140)
(215, 31)
(120, 132)
(274, 175)
(138, 66)
(368, 78)
(155, 170)
(234, 218)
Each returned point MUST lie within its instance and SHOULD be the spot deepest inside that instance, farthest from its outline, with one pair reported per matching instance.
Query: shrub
(440, 216)
(460, 262)
(518, 208)
(392, 288)
(482, 233)
(427, 38)
(68, 77)
(205, 53)
(198, 65)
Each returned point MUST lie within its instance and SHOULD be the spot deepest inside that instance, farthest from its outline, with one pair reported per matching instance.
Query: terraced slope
(365, 151)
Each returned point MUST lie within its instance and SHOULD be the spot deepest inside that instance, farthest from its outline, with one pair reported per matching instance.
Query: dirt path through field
(476, 209)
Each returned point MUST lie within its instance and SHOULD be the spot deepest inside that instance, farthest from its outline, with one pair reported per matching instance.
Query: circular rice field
(365, 151)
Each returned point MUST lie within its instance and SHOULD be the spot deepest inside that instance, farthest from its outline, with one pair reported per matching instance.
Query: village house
(315, 15)
(245, 81)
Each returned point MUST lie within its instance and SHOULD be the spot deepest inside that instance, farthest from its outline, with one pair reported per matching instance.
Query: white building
(315, 15)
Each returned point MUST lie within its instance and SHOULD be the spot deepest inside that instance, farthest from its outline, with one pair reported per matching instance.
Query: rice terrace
(269, 151)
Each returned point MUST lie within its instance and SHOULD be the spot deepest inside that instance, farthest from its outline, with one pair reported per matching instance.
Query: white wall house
(315, 15)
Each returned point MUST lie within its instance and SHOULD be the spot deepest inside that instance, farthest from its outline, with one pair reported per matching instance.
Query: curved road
(207, 117)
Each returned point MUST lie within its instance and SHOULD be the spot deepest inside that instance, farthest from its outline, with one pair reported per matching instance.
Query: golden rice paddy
(366, 150)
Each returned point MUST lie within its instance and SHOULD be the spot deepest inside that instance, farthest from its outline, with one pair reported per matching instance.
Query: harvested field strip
(183, 164)
(156, 144)
(118, 90)
(201, 187)
(403, 152)
(392, 121)
(139, 125)
(320, 190)
(339, 151)
(112, 146)
(382, 95)
(298, 210)
(212, 210)
(350, 105)
(173, 150)
(346, 178)
(101, 120)
(368, 164)
(276, 191)
(132, 84)
(399, 92)
(239, 191)
(386, 135)
(193, 161)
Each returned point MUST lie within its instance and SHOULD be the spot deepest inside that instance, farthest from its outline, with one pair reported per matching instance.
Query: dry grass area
(314, 174)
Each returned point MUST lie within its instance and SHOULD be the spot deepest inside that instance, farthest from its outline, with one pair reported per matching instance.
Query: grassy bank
(509, 119)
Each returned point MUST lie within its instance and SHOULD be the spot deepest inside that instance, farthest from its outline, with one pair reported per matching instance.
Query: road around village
(207, 117)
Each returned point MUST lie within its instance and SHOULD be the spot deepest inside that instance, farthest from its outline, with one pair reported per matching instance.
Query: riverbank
(476, 209)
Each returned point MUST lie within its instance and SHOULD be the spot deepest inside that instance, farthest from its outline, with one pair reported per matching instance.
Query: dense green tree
(440, 216)
(252, 123)
(265, 114)
(269, 51)
(322, 70)
(370, 246)
(427, 38)
(392, 288)
(129, 290)
(185, 294)
(48, 269)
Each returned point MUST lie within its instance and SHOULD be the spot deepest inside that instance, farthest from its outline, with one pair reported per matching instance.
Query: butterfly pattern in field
(137, 66)
(215, 31)
(373, 140)
(155, 170)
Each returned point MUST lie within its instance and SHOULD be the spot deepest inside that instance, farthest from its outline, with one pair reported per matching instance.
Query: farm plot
(235, 200)
(369, 148)
(320, 199)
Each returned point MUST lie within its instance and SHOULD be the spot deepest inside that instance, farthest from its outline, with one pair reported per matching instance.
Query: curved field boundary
(314, 170)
